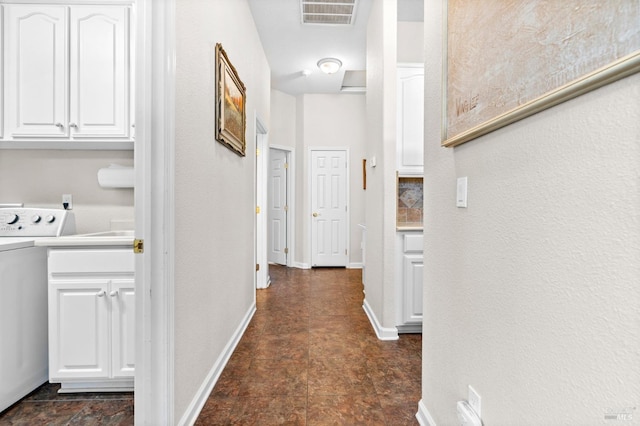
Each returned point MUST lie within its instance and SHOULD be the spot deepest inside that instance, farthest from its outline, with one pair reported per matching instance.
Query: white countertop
(97, 239)
(13, 243)
(403, 228)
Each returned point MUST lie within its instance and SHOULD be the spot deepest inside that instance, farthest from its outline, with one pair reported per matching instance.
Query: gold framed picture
(231, 115)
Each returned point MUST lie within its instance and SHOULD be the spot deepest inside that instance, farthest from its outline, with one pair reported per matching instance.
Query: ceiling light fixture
(329, 65)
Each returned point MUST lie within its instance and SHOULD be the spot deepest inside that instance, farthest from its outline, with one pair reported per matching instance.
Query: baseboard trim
(195, 407)
(409, 328)
(390, 333)
(301, 265)
(424, 416)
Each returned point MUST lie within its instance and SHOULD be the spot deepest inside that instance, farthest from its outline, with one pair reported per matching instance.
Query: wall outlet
(67, 201)
(475, 401)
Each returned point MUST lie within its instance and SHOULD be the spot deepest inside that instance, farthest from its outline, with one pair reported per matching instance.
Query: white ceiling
(292, 47)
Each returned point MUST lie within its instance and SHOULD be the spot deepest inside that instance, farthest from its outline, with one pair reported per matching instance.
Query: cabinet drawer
(95, 261)
(413, 243)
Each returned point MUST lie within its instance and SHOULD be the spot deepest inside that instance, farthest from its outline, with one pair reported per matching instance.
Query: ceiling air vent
(332, 12)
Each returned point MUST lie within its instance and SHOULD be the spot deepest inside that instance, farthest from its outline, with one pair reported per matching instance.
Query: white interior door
(329, 208)
(278, 207)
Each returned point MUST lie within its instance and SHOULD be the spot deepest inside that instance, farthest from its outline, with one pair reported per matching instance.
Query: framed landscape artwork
(231, 116)
(507, 60)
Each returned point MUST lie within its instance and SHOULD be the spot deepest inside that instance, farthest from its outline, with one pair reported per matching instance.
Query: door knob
(316, 215)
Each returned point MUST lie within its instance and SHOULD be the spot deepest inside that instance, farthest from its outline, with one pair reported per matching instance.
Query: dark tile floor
(44, 406)
(310, 357)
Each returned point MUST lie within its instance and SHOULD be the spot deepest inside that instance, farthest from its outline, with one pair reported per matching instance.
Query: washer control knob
(13, 218)
(36, 218)
(50, 218)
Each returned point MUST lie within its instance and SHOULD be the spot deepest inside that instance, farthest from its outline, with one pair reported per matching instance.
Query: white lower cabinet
(91, 319)
(409, 278)
(123, 328)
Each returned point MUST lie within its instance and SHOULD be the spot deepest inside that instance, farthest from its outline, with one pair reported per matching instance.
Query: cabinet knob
(316, 215)
(60, 125)
(114, 293)
(74, 125)
(101, 293)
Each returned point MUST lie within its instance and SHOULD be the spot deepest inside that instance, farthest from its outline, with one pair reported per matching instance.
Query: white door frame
(262, 279)
(154, 214)
(291, 200)
(310, 201)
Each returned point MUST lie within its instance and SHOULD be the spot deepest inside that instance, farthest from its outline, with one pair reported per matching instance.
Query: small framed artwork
(364, 173)
(231, 116)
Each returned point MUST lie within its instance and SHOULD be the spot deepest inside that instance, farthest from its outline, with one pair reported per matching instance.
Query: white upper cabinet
(99, 71)
(1, 74)
(410, 119)
(67, 74)
(36, 71)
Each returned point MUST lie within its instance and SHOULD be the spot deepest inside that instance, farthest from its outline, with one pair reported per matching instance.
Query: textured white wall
(214, 189)
(38, 178)
(531, 293)
(336, 121)
(381, 142)
(282, 130)
(410, 42)
(302, 209)
(322, 121)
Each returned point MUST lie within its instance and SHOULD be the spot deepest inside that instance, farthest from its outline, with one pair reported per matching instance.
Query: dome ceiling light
(329, 65)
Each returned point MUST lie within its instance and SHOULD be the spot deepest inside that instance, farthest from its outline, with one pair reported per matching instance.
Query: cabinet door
(123, 314)
(36, 71)
(78, 329)
(99, 72)
(410, 119)
(413, 272)
(2, 49)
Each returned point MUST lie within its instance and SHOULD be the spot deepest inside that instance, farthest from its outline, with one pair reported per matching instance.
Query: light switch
(461, 192)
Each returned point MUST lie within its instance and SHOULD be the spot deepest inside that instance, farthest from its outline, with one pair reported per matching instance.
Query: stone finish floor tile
(312, 358)
(274, 377)
(216, 411)
(44, 406)
(106, 413)
(276, 410)
(339, 376)
(308, 357)
(345, 410)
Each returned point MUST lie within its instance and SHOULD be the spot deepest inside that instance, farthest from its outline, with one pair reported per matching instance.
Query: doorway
(262, 265)
(329, 207)
(280, 206)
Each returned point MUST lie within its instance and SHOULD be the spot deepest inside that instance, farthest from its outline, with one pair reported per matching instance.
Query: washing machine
(23, 297)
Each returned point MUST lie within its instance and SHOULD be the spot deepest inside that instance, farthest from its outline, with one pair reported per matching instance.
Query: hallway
(310, 357)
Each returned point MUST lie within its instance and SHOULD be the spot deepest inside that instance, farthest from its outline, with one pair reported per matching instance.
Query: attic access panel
(331, 12)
